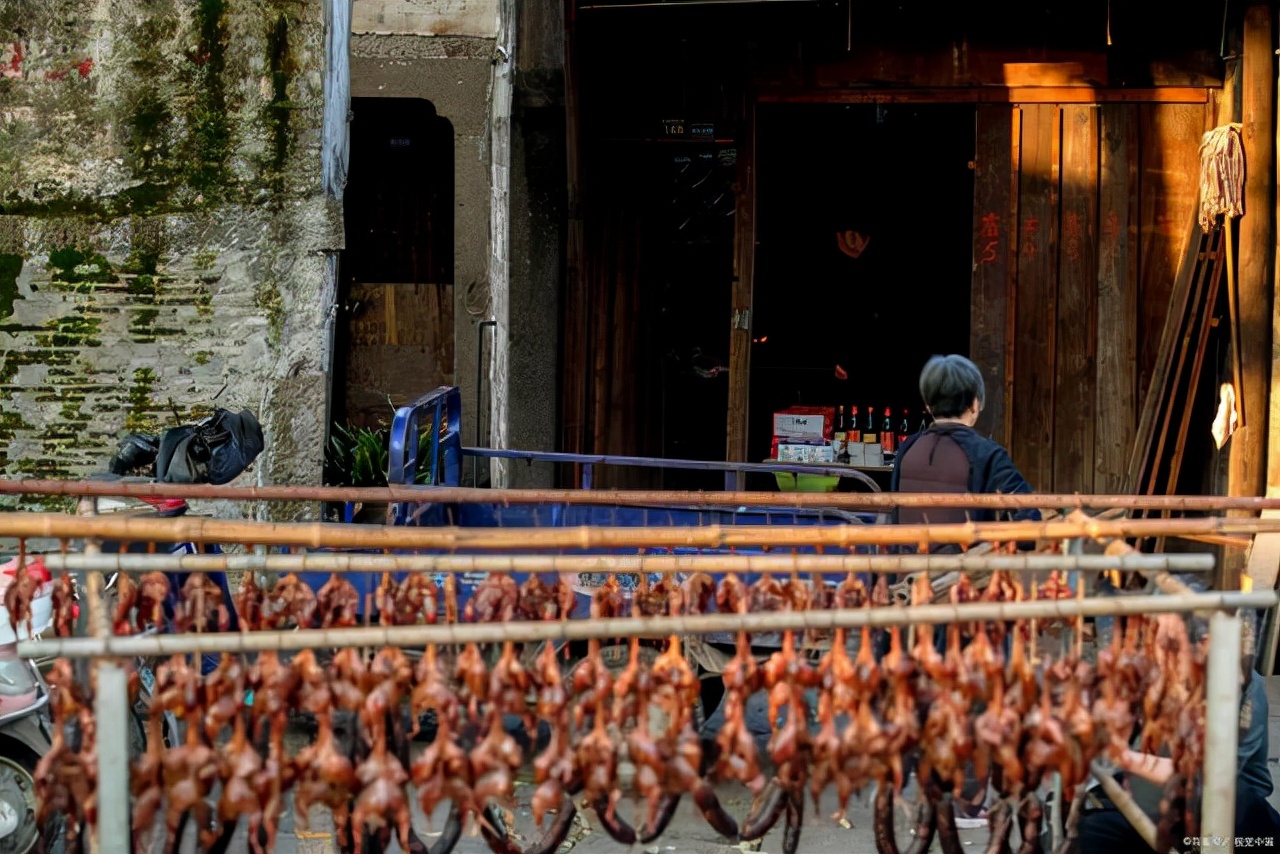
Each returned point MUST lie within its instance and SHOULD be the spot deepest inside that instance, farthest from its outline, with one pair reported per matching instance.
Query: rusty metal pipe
(827, 501)
(653, 627)
(322, 535)
(782, 564)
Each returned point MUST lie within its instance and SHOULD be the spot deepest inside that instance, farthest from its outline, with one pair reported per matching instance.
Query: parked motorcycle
(26, 729)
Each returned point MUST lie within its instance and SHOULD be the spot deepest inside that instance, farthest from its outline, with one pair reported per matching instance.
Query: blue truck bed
(437, 450)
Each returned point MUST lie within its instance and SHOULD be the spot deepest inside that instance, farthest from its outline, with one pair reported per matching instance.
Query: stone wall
(163, 234)
(426, 17)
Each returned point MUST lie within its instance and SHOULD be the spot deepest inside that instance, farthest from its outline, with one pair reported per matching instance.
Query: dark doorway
(395, 331)
(863, 256)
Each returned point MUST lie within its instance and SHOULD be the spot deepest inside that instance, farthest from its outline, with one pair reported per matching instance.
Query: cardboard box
(806, 423)
(872, 454)
(856, 456)
(799, 452)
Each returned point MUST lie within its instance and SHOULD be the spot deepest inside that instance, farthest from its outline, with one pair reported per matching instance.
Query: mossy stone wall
(163, 235)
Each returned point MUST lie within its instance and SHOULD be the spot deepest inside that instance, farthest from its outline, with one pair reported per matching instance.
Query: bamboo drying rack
(461, 495)
(638, 498)
(321, 535)
(136, 646)
(111, 704)
(664, 564)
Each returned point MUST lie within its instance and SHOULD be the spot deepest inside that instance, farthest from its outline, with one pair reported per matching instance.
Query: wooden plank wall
(1116, 394)
(995, 224)
(1076, 339)
(392, 327)
(1037, 294)
(1096, 201)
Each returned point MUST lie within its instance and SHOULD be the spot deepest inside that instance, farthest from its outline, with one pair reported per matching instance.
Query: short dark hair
(950, 384)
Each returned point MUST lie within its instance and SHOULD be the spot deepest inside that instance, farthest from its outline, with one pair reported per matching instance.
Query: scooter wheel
(19, 833)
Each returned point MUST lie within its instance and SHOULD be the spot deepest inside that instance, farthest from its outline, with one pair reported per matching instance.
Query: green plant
(356, 456)
(359, 456)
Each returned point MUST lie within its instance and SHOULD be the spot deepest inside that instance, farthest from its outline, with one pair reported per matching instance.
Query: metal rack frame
(111, 703)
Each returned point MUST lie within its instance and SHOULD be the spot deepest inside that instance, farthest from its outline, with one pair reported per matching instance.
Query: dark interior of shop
(659, 225)
(857, 282)
(399, 218)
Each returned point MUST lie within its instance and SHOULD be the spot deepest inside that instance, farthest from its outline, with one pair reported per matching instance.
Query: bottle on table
(840, 436)
(887, 436)
(904, 429)
(870, 434)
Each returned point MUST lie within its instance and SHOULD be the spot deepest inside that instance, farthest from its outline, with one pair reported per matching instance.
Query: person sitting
(1103, 827)
(951, 456)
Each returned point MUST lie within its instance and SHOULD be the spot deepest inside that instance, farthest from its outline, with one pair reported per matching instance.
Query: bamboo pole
(1222, 728)
(650, 627)
(1119, 549)
(110, 700)
(747, 564)
(1241, 543)
(870, 501)
(1125, 804)
(322, 535)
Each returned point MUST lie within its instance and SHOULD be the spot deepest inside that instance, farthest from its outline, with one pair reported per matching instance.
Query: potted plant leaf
(358, 456)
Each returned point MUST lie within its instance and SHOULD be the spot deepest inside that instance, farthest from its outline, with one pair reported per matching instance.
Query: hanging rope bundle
(1222, 192)
(1221, 175)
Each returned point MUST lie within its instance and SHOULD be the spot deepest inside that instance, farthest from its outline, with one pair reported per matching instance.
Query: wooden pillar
(1248, 464)
(744, 260)
(573, 393)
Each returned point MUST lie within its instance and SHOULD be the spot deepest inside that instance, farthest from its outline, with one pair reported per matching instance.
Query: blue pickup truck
(426, 450)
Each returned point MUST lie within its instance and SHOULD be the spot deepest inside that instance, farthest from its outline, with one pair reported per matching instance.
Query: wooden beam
(1248, 471)
(573, 392)
(995, 232)
(743, 289)
(1117, 367)
(989, 95)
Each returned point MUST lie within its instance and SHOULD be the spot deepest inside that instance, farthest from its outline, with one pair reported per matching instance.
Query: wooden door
(1080, 215)
(400, 346)
(396, 328)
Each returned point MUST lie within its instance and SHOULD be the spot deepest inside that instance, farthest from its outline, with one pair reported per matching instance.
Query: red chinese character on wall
(1030, 228)
(1072, 234)
(990, 234)
(1112, 225)
(1111, 228)
(991, 226)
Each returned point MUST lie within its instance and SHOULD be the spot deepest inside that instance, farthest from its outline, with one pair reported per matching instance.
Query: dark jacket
(991, 470)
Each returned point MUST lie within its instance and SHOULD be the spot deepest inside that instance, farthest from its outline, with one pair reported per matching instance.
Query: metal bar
(729, 467)
(1222, 728)
(1125, 804)
(321, 535)
(654, 627)
(327, 562)
(1056, 817)
(110, 707)
(870, 501)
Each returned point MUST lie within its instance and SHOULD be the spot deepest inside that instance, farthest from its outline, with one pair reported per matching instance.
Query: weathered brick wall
(163, 235)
